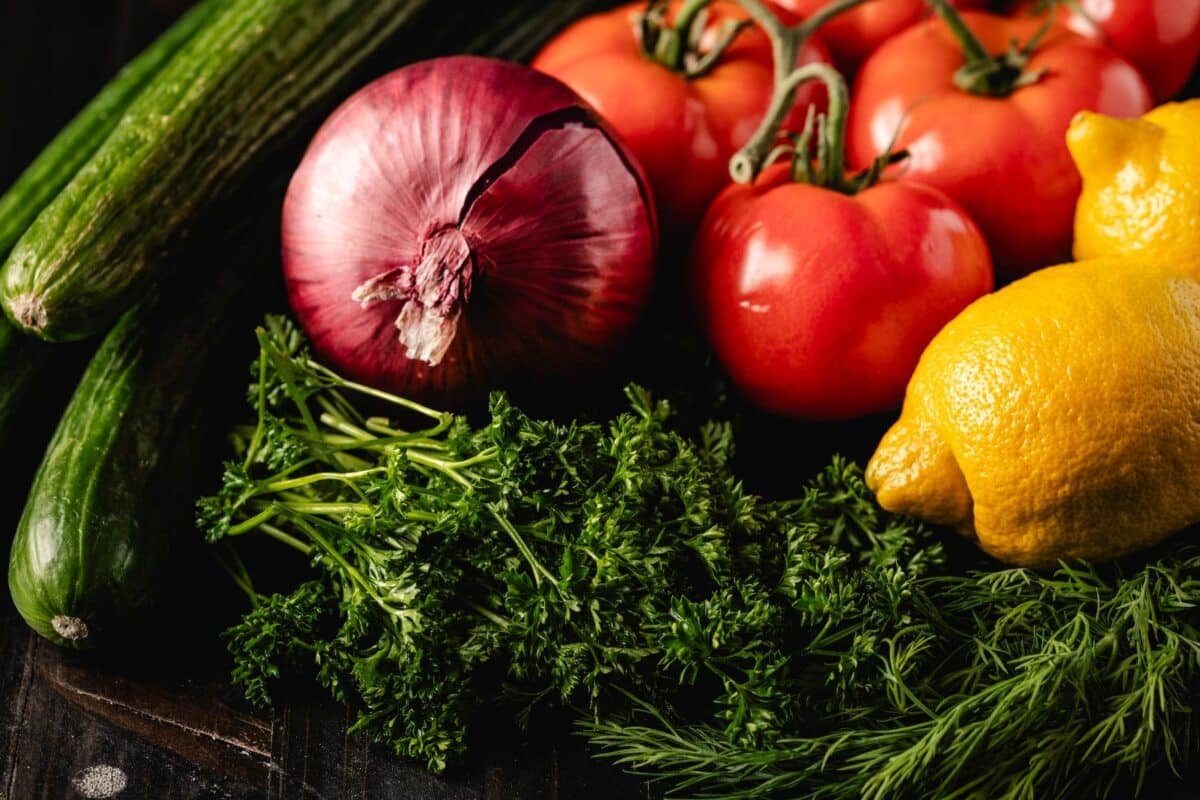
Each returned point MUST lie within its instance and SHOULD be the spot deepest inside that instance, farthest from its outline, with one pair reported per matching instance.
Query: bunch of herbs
(722, 644)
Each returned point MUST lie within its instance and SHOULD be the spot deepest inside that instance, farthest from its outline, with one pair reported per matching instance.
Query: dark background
(55, 55)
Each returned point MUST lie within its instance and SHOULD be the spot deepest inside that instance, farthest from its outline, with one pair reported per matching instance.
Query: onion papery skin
(475, 179)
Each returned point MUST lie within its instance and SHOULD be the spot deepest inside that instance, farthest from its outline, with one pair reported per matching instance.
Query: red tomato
(684, 131)
(819, 304)
(854, 35)
(1004, 159)
(1160, 37)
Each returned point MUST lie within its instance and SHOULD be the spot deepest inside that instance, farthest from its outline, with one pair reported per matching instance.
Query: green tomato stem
(676, 46)
(748, 162)
(680, 35)
(985, 74)
(831, 135)
(973, 49)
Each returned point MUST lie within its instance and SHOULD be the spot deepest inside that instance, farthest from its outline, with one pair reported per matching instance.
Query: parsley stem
(247, 525)
(538, 570)
(488, 614)
(350, 462)
(482, 457)
(423, 443)
(256, 439)
(347, 478)
(288, 539)
(381, 425)
(236, 569)
(336, 556)
(444, 419)
(339, 509)
(353, 431)
(417, 457)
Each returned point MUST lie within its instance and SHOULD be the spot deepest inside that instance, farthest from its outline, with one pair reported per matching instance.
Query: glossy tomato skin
(1160, 37)
(682, 131)
(818, 305)
(1003, 159)
(856, 34)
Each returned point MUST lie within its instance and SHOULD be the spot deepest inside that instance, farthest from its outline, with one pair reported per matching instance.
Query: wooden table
(173, 730)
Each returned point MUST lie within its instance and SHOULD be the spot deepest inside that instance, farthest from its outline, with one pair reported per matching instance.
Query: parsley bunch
(726, 645)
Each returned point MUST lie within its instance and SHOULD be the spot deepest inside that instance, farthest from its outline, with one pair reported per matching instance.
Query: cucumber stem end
(73, 629)
(29, 312)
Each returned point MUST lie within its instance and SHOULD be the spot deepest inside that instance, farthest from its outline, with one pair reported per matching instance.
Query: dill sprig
(1067, 685)
(724, 645)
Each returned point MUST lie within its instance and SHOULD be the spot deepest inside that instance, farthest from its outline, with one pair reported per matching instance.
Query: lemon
(1057, 418)
(1141, 184)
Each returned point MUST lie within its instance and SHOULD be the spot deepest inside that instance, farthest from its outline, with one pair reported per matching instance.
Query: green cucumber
(75, 144)
(240, 85)
(91, 547)
(52, 170)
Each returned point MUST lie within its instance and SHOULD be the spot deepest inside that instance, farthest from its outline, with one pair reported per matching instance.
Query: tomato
(818, 304)
(855, 34)
(683, 129)
(1160, 37)
(1003, 156)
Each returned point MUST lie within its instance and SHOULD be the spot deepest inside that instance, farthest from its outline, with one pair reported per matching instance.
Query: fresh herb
(1044, 686)
(726, 645)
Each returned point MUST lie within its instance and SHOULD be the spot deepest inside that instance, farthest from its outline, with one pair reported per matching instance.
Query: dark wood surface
(177, 733)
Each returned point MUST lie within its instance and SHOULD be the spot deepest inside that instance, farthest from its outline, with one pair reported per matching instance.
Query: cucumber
(91, 547)
(76, 143)
(242, 83)
(51, 171)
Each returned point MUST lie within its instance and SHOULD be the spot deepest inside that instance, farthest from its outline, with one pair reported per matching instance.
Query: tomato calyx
(679, 46)
(986, 74)
(826, 132)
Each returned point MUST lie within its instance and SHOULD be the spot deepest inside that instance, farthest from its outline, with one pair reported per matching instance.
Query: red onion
(463, 224)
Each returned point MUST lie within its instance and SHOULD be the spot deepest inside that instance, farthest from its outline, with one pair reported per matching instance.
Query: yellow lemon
(1141, 184)
(1057, 418)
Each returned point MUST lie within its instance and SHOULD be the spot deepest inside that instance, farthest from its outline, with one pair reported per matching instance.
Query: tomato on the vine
(854, 35)
(684, 83)
(818, 290)
(990, 130)
(819, 305)
(1160, 37)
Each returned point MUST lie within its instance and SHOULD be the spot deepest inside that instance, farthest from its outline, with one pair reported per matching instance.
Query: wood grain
(188, 719)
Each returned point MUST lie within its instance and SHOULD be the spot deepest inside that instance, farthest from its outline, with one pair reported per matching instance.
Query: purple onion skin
(466, 224)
